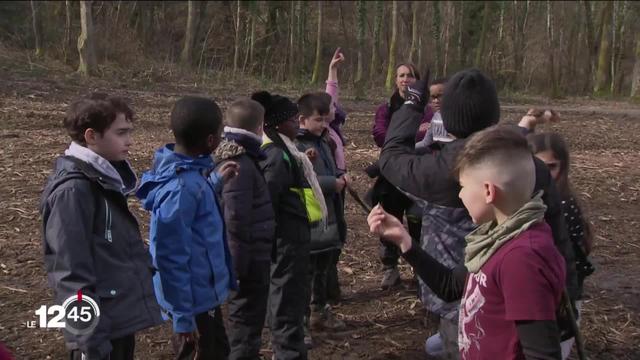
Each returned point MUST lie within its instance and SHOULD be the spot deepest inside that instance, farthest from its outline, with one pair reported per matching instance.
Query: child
(92, 241)
(337, 118)
(250, 225)
(187, 237)
(436, 134)
(325, 242)
(513, 275)
(470, 105)
(552, 149)
(292, 185)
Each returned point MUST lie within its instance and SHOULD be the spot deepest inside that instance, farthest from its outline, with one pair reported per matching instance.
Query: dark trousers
(287, 299)
(333, 282)
(319, 265)
(121, 349)
(247, 311)
(212, 340)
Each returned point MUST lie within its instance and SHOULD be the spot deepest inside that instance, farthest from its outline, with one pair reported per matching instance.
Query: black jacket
(324, 165)
(429, 177)
(92, 243)
(248, 214)
(292, 223)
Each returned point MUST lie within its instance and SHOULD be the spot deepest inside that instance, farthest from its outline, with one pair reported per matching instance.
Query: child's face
(436, 96)
(404, 78)
(289, 128)
(476, 196)
(553, 164)
(315, 124)
(113, 144)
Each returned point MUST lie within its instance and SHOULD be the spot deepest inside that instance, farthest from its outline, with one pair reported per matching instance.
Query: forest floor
(380, 324)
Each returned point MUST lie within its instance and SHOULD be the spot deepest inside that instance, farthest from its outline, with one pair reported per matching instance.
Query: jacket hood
(166, 165)
(228, 149)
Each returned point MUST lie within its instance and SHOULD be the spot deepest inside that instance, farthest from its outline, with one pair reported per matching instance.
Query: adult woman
(392, 200)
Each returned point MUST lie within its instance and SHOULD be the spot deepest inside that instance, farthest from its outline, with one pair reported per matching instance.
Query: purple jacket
(383, 117)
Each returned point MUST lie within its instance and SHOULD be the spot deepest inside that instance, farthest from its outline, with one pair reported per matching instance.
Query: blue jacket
(188, 245)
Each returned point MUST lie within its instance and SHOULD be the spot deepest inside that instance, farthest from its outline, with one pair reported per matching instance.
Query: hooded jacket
(187, 237)
(92, 243)
(248, 213)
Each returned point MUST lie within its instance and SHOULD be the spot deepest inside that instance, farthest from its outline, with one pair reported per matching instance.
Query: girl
(552, 149)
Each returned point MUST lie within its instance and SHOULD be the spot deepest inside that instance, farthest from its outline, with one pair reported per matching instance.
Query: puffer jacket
(246, 203)
(92, 243)
(324, 165)
(187, 237)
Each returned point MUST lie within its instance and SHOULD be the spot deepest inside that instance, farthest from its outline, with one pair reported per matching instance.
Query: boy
(250, 225)
(514, 274)
(470, 105)
(437, 133)
(187, 237)
(92, 241)
(325, 243)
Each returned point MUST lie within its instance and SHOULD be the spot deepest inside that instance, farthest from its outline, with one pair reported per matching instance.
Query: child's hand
(228, 171)
(424, 127)
(337, 58)
(340, 184)
(388, 228)
(346, 178)
(311, 154)
(190, 337)
(535, 117)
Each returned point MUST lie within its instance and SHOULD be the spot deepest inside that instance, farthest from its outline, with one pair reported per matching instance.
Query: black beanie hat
(277, 109)
(469, 103)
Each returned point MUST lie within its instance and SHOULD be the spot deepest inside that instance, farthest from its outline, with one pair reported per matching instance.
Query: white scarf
(309, 174)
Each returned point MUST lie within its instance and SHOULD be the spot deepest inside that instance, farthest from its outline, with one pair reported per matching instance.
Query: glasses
(436, 97)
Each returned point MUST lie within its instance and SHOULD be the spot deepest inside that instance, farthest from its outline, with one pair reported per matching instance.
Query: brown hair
(119, 104)
(498, 140)
(85, 114)
(555, 143)
(318, 101)
(244, 114)
(412, 68)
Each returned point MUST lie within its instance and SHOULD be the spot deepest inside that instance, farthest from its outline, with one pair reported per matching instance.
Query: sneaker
(433, 345)
(390, 278)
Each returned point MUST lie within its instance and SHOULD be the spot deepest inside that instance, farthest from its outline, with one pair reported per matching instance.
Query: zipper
(107, 222)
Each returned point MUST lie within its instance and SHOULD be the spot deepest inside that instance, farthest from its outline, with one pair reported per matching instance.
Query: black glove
(417, 94)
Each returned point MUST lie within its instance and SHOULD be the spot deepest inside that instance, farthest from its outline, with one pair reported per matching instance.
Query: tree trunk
(590, 41)
(602, 84)
(362, 17)
(635, 80)
(86, 47)
(190, 34)
(377, 26)
(236, 39)
(436, 30)
(67, 31)
(392, 47)
(555, 91)
(618, 48)
(37, 26)
(414, 30)
(316, 65)
(292, 32)
(520, 23)
(483, 35)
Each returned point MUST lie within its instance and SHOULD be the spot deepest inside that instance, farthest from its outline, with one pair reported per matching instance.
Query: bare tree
(414, 30)
(316, 65)
(37, 26)
(236, 43)
(86, 47)
(635, 81)
(190, 34)
(377, 26)
(604, 57)
(362, 15)
(392, 46)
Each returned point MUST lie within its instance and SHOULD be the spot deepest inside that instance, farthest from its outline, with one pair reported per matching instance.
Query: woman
(392, 200)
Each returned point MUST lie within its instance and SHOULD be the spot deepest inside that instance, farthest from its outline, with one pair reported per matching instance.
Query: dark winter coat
(325, 168)
(428, 177)
(292, 223)
(247, 209)
(92, 243)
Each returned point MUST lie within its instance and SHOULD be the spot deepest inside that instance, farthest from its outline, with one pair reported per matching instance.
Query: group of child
(498, 235)
(260, 228)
